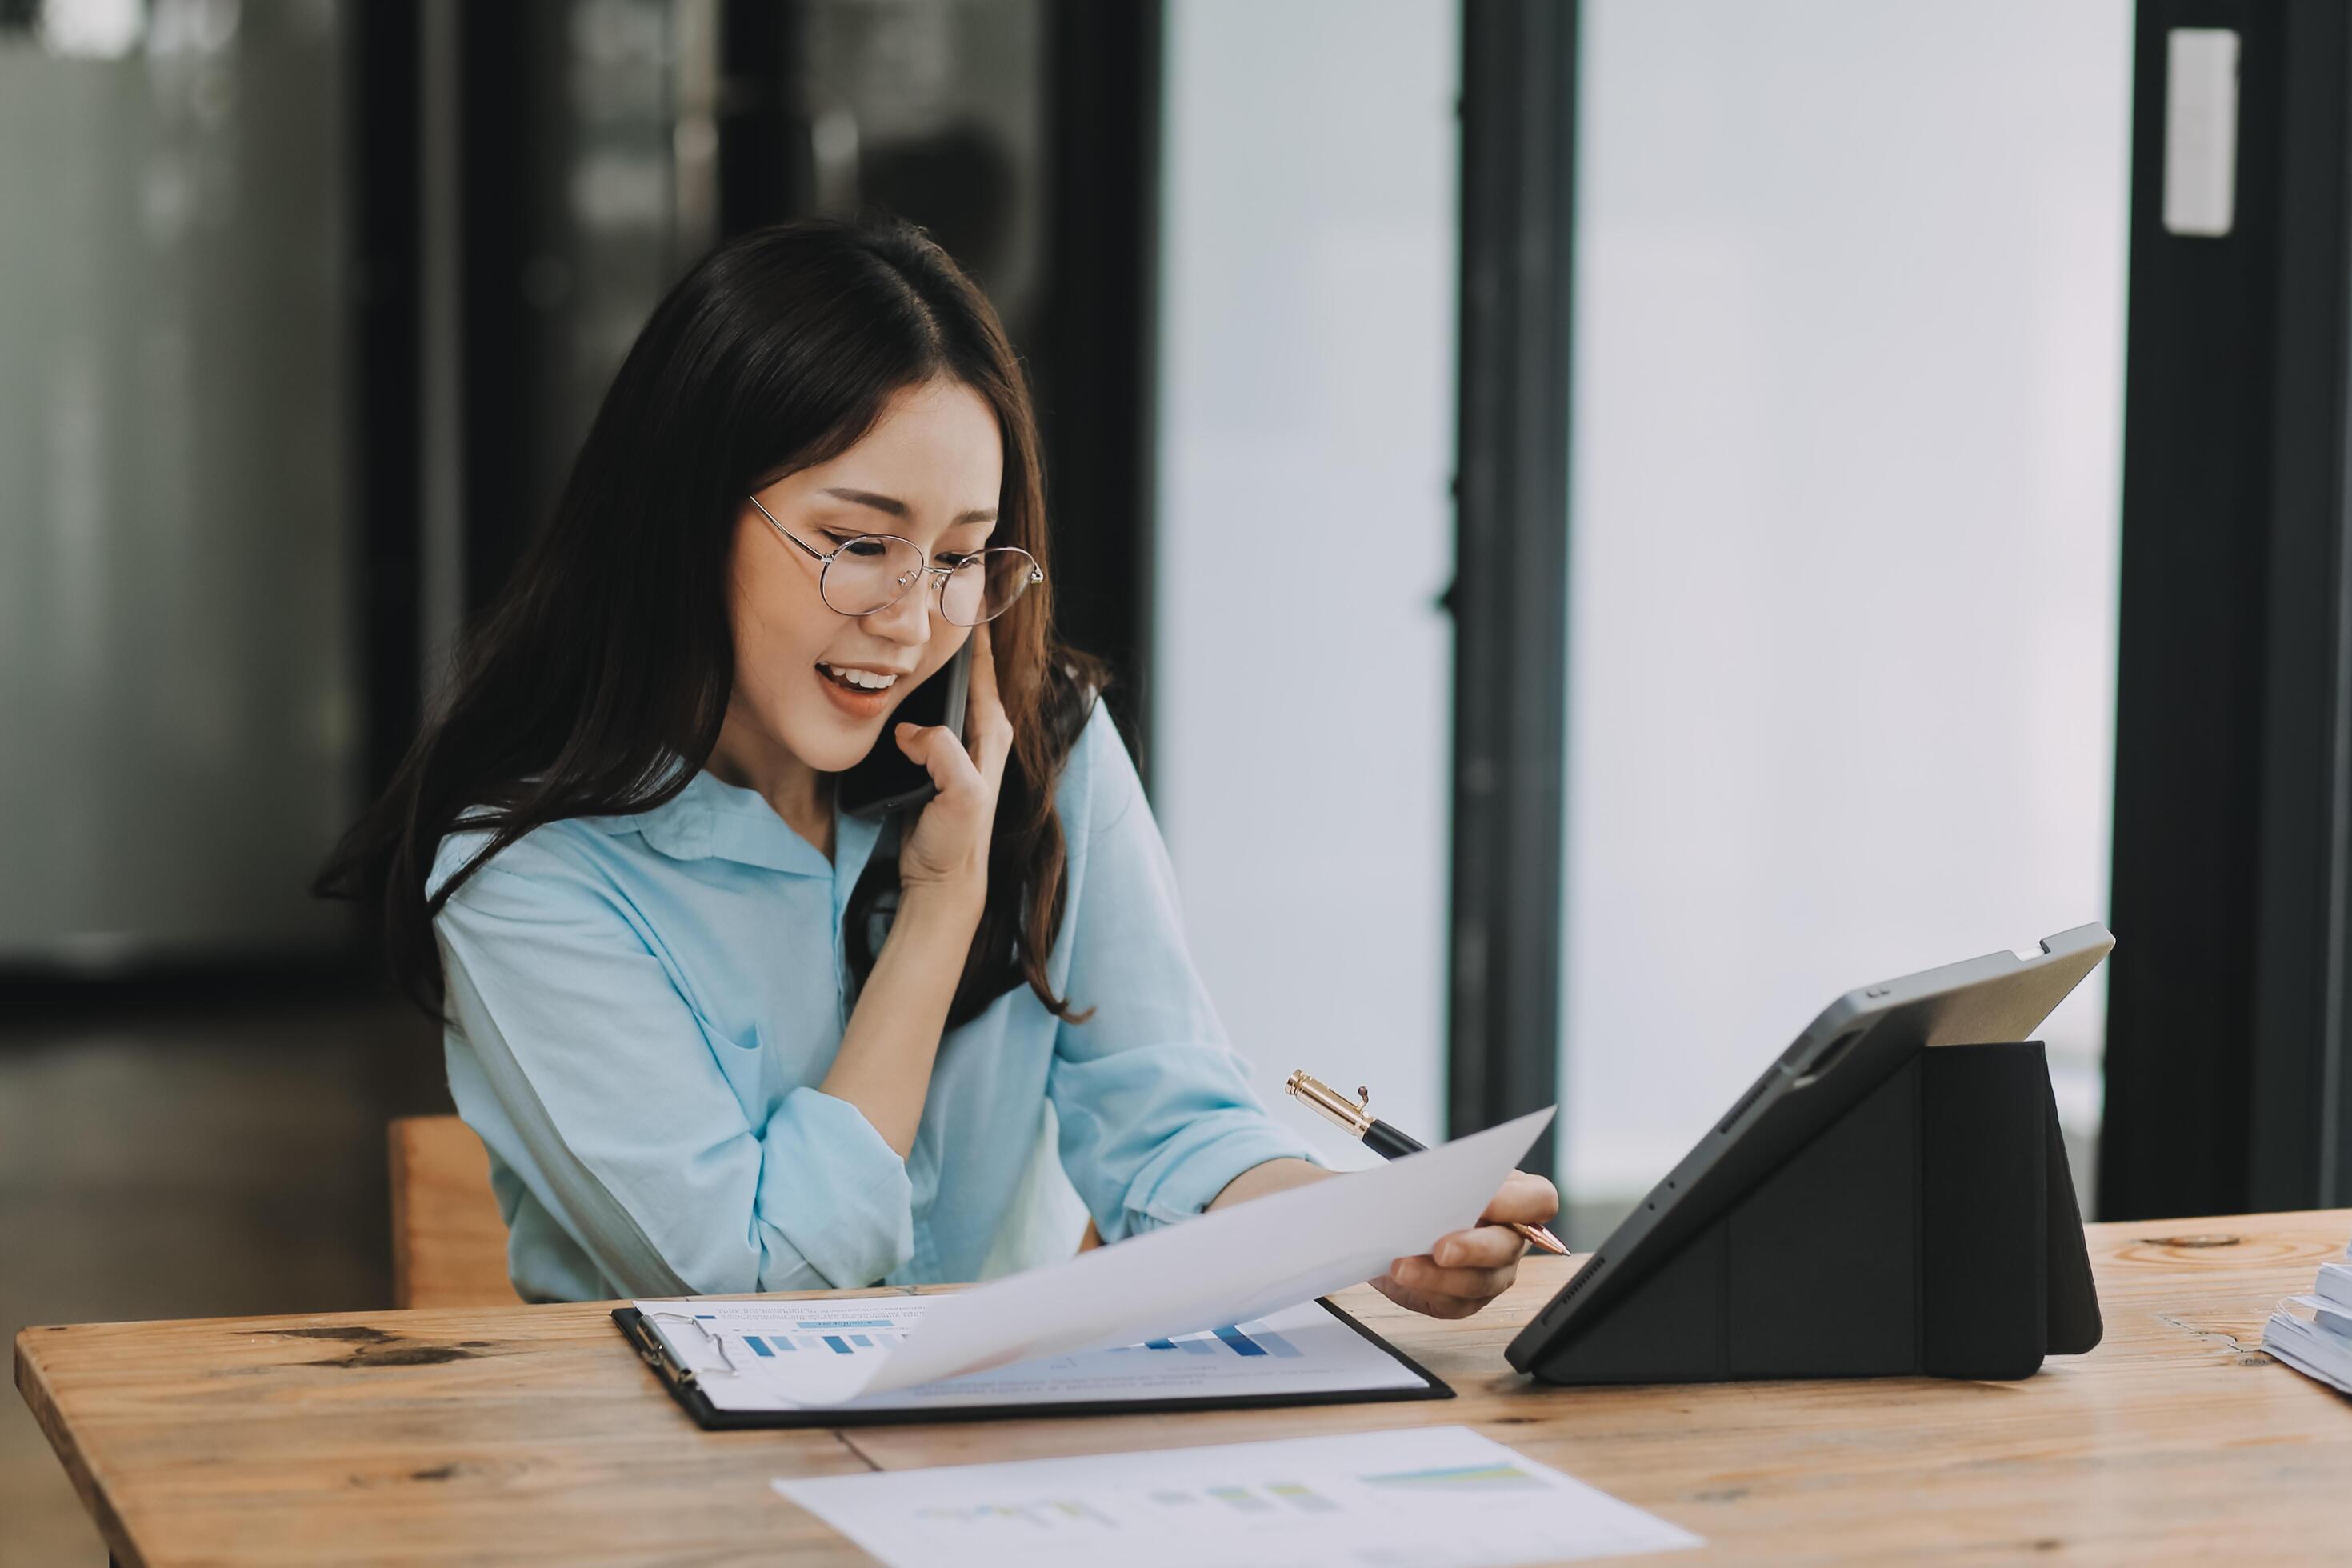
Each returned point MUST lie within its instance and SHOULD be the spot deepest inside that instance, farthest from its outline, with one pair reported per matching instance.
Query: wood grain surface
(530, 1434)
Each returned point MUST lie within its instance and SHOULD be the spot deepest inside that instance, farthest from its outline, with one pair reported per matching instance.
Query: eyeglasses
(874, 571)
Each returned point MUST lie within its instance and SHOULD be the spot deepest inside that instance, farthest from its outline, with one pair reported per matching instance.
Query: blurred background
(1614, 522)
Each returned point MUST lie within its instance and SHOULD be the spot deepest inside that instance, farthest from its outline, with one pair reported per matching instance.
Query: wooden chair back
(449, 1240)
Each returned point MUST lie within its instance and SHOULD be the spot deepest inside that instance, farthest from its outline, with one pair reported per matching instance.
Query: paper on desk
(1228, 1267)
(1434, 1497)
(746, 1360)
(2313, 1334)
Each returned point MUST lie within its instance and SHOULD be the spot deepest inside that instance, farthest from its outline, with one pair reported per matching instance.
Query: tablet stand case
(1932, 1228)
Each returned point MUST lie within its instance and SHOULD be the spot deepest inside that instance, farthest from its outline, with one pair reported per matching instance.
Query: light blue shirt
(641, 1007)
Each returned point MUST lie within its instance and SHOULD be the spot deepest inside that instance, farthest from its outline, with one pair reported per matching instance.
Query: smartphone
(887, 780)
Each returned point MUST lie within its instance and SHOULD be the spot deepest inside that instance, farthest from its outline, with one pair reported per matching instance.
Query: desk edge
(32, 1382)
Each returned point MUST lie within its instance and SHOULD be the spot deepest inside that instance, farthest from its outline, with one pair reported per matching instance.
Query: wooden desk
(531, 1434)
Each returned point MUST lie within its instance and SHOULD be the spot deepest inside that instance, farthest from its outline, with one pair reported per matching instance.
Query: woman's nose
(906, 620)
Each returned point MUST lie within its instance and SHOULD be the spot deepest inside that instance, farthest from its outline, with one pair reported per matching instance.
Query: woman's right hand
(945, 859)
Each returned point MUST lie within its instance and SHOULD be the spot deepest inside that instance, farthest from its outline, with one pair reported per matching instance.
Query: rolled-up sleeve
(1157, 1114)
(611, 1106)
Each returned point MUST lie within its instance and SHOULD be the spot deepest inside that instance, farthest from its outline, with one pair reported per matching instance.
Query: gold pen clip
(1351, 1115)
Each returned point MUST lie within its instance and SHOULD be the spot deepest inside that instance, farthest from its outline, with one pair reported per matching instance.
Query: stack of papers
(2313, 1334)
(1251, 1263)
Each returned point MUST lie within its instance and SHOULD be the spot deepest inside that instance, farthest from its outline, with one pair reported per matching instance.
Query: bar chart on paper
(1233, 1339)
(794, 1334)
(1247, 1268)
(787, 1355)
(1437, 1497)
(820, 1337)
(865, 1334)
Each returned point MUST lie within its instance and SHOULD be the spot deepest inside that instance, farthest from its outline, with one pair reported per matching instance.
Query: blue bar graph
(1270, 1339)
(860, 1323)
(836, 1341)
(1301, 1498)
(759, 1346)
(1253, 1339)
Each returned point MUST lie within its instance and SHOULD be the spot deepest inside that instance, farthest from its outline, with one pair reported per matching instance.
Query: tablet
(1855, 1043)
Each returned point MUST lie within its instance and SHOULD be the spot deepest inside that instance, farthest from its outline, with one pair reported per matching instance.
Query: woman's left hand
(1465, 1269)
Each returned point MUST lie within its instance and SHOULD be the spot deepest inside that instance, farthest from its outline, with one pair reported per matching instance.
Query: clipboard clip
(657, 1354)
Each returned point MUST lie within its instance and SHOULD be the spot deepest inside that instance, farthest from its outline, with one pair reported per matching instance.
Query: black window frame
(2227, 1087)
(1509, 596)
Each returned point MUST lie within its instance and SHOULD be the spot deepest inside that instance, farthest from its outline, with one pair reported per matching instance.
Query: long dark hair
(595, 684)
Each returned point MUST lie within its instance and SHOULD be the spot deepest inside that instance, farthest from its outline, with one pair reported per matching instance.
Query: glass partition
(1848, 390)
(177, 681)
(1302, 671)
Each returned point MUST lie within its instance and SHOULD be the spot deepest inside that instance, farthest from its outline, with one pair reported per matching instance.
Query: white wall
(1301, 678)
(1849, 354)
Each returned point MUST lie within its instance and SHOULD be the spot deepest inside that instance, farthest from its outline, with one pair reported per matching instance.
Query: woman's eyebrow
(897, 508)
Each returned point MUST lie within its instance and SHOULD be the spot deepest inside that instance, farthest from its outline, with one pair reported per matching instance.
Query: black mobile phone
(887, 779)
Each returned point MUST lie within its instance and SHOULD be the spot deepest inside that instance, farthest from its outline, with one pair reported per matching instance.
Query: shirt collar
(709, 819)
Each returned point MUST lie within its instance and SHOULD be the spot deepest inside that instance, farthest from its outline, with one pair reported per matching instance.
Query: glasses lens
(983, 586)
(869, 573)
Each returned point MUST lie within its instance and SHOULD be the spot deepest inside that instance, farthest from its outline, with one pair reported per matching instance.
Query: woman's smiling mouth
(858, 679)
(860, 693)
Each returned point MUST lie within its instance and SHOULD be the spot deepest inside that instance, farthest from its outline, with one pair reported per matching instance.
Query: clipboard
(686, 1386)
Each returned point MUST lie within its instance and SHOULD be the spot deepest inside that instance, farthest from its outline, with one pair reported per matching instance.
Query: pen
(1384, 1139)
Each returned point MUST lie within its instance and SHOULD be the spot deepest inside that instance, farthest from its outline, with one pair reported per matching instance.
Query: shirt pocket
(749, 1062)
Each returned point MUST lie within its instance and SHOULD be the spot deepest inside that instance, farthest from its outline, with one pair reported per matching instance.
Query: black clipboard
(687, 1390)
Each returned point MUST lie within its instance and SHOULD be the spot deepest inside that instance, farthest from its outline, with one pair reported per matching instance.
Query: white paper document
(1236, 1265)
(1434, 1497)
(749, 1354)
(2313, 1334)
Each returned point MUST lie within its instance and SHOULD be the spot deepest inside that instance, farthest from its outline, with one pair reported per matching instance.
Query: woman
(716, 1035)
